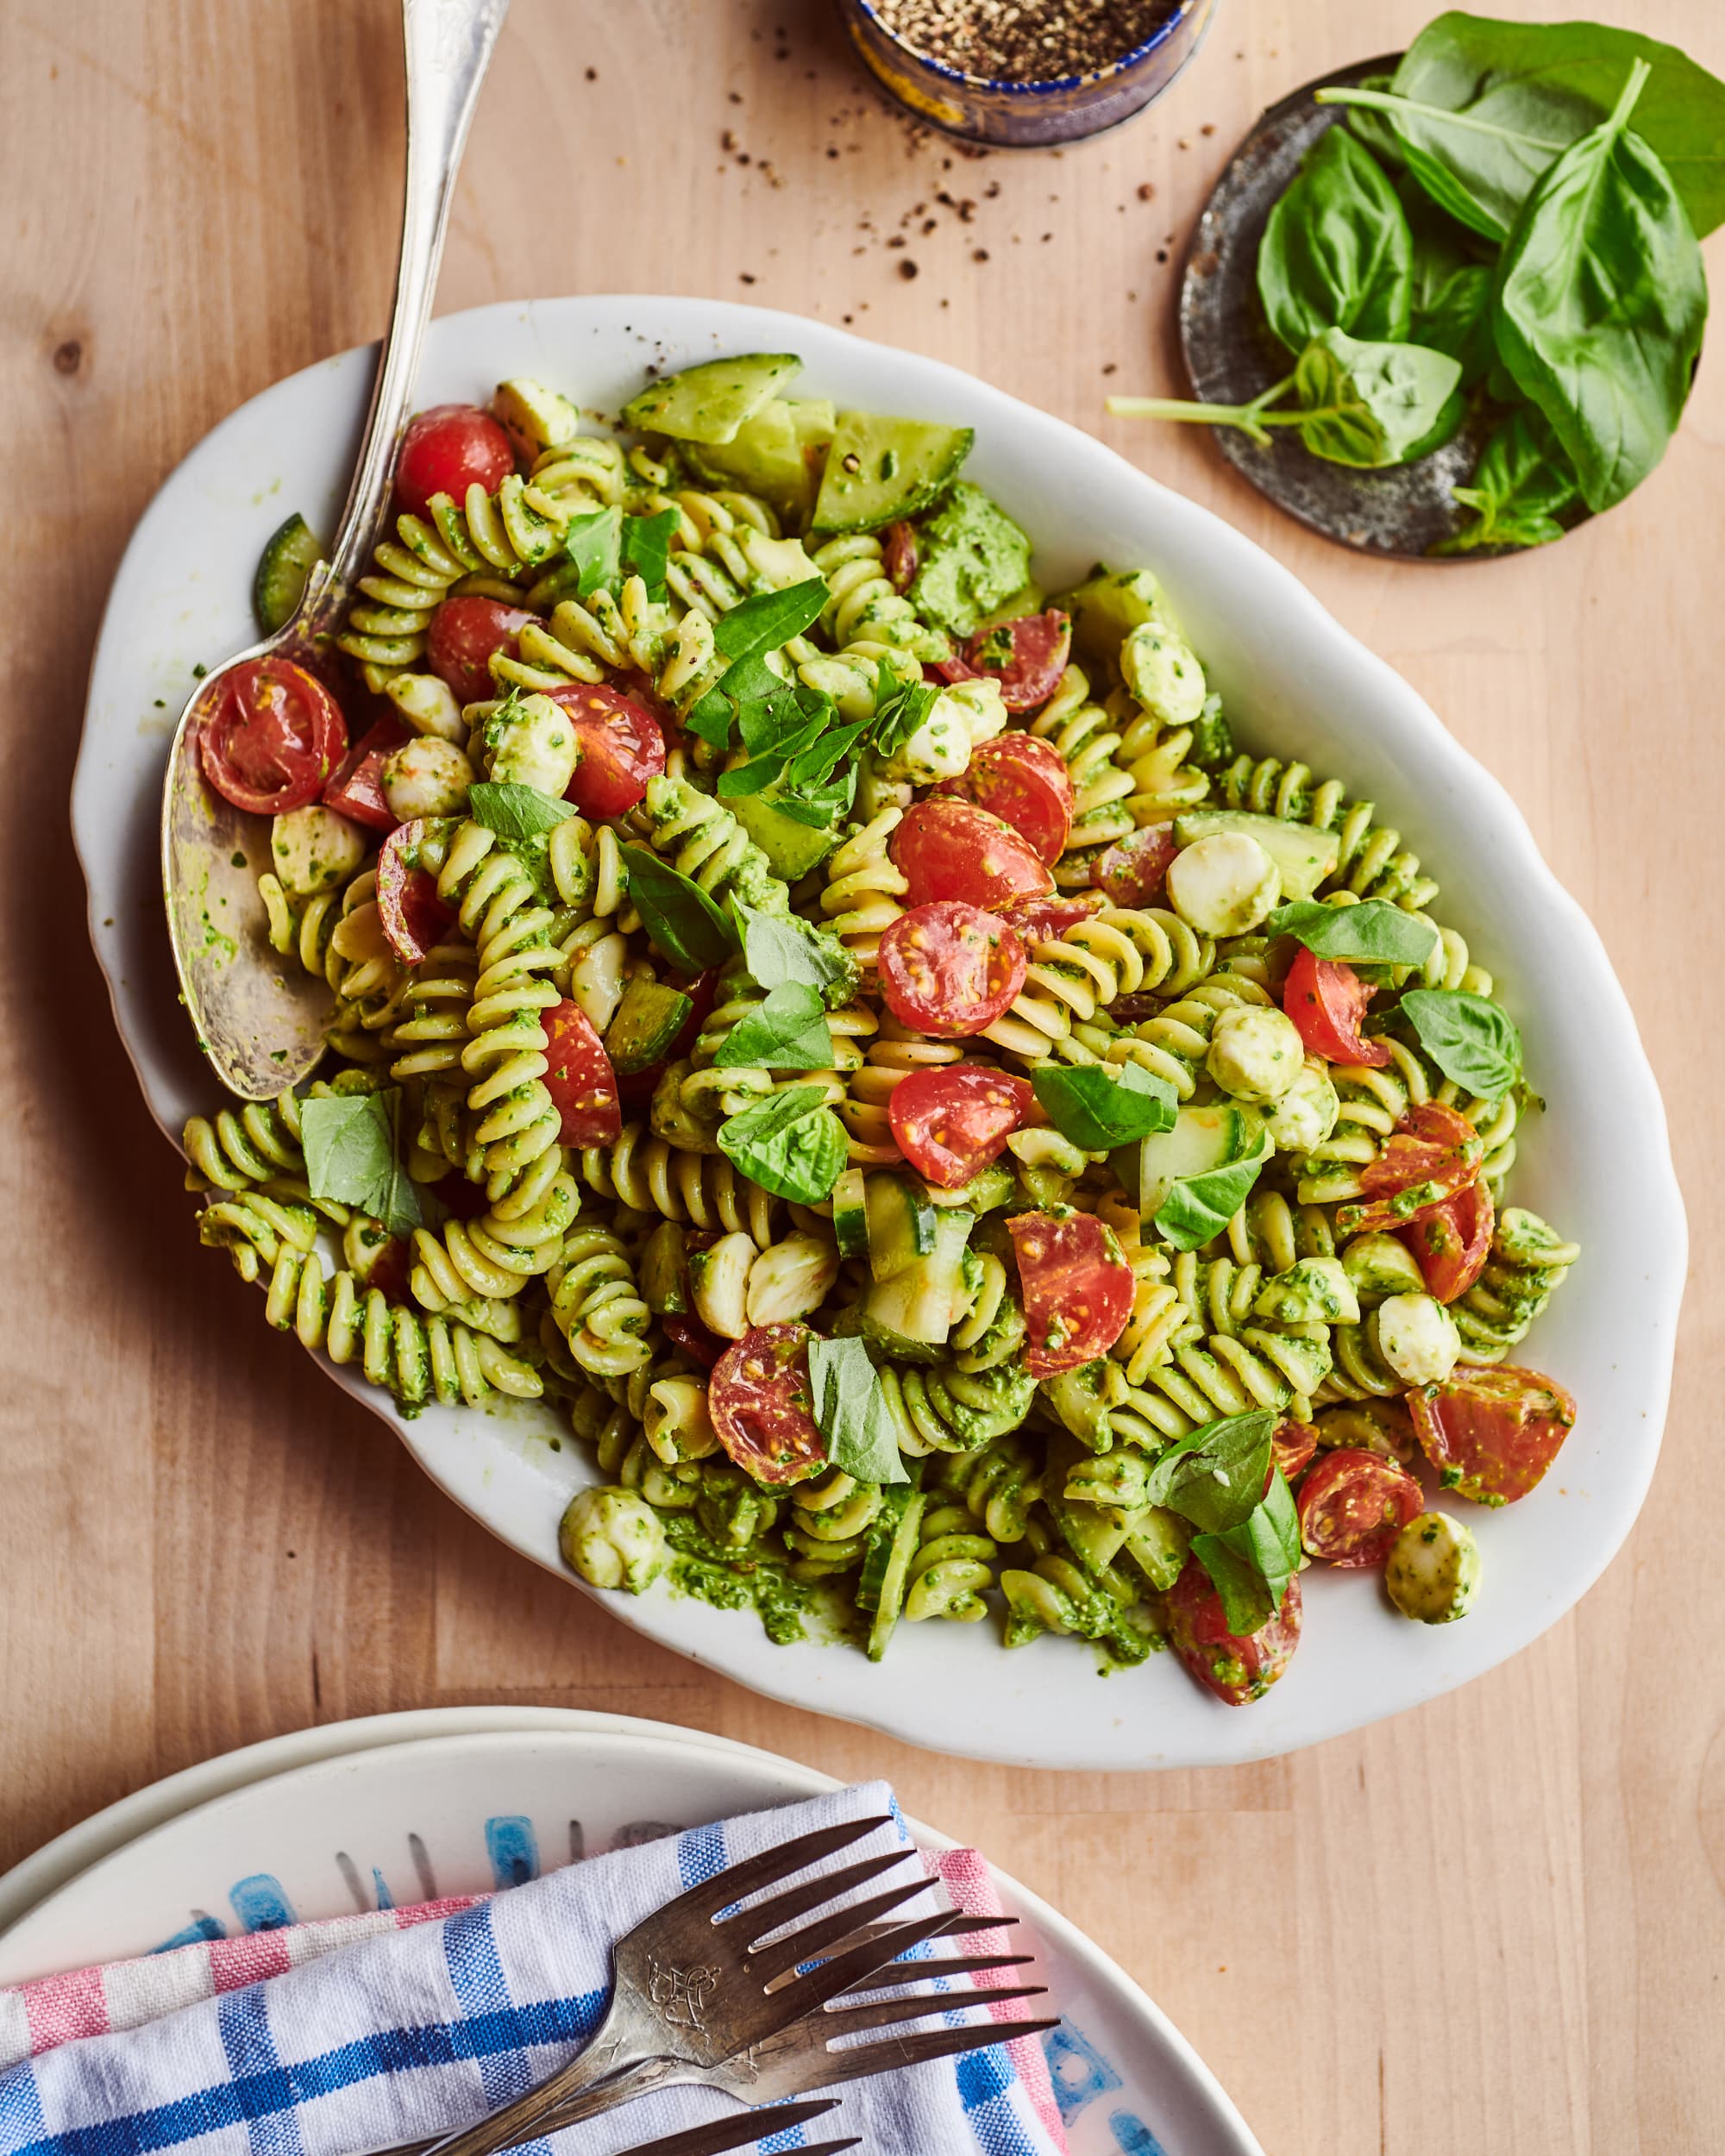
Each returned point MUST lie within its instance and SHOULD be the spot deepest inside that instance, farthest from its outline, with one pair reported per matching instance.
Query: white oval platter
(1294, 684)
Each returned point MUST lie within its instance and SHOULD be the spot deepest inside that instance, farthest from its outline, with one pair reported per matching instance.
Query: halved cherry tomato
(1491, 1433)
(463, 634)
(695, 1339)
(273, 738)
(899, 555)
(762, 1407)
(1134, 871)
(1431, 1155)
(1352, 1505)
(1293, 1444)
(949, 969)
(580, 1079)
(467, 1201)
(622, 745)
(1453, 1241)
(412, 914)
(445, 450)
(1040, 920)
(950, 1123)
(1026, 783)
(355, 787)
(1077, 1288)
(1237, 1669)
(953, 850)
(1327, 1001)
(392, 1270)
(1026, 656)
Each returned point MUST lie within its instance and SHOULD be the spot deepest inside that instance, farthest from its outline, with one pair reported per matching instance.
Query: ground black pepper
(1024, 40)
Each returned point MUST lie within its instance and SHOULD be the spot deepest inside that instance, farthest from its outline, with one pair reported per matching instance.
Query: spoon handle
(448, 47)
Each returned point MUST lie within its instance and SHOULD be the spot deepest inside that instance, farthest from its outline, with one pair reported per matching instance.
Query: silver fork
(721, 2134)
(690, 1983)
(792, 2060)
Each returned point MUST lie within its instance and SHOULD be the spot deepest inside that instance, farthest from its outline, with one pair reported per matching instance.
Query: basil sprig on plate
(1099, 1110)
(792, 1144)
(1471, 1040)
(682, 921)
(353, 1156)
(787, 1032)
(1337, 252)
(1220, 1478)
(851, 1411)
(1373, 931)
(1200, 1206)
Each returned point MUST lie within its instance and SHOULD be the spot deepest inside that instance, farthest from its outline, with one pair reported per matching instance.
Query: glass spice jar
(1011, 115)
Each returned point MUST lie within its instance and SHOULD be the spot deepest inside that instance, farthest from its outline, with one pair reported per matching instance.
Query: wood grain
(1495, 1924)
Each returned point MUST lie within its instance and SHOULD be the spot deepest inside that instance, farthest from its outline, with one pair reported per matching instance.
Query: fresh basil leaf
(851, 1411)
(682, 921)
(787, 1032)
(1601, 299)
(1471, 1040)
(754, 777)
(1373, 129)
(1337, 253)
(899, 708)
(822, 808)
(809, 766)
(792, 1144)
(1214, 1475)
(592, 542)
(1200, 1206)
(1522, 484)
(745, 635)
(354, 1155)
(1452, 311)
(1374, 929)
(515, 811)
(1240, 1587)
(1492, 104)
(646, 548)
(1100, 1109)
(1368, 403)
(781, 949)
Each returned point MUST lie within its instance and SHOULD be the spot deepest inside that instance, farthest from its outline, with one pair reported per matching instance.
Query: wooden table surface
(1495, 1924)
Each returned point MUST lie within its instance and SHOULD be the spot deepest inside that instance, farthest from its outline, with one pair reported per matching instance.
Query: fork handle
(448, 46)
(533, 2114)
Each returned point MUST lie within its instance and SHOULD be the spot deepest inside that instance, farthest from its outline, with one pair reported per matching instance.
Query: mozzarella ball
(1256, 1053)
(1417, 1336)
(613, 1539)
(1224, 885)
(1433, 1575)
(1305, 1114)
(532, 743)
(313, 850)
(1163, 674)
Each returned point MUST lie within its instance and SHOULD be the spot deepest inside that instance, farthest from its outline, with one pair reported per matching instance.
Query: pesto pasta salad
(845, 1030)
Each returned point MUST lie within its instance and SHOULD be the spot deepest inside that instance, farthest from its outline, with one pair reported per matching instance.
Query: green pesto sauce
(973, 558)
(729, 1579)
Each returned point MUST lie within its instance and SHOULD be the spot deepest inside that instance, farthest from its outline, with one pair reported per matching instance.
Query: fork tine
(827, 1931)
(858, 2020)
(738, 2130)
(959, 1965)
(830, 2148)
(784, 1908)
(832, 1978)
(766, 1869)
(863, 2060)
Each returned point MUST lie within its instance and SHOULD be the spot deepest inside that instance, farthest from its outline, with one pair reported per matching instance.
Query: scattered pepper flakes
(907, 269)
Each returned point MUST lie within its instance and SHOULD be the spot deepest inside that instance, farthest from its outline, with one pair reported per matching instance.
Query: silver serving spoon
(261, 1019)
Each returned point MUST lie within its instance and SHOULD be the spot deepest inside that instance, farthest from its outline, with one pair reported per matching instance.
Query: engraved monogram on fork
(682, 1996)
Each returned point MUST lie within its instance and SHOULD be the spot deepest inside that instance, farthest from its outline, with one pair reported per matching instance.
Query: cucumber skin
(289, 554)
(630, 1041)
(875, 502)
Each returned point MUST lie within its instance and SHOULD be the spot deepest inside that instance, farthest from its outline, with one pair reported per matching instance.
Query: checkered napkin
(330, 2039)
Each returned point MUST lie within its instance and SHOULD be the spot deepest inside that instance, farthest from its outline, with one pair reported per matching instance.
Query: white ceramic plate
(1295, 684)
(460, 1814)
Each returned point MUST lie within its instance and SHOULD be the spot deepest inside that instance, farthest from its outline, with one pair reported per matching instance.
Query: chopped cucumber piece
(1094, 1536)
(775, 455)
(1201, 1139)
(791, 848)
(1108, 606)
(534, 418)
(712, 402)
(987, 1190)
(649, 1019)
(910, 1314)
(849, 1215)
(887, 1563)
(1305, 857)
(879, 470)
(902, 1224)
(289, 554)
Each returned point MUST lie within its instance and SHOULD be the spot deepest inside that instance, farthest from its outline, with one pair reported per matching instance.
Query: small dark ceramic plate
(1231, 357)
